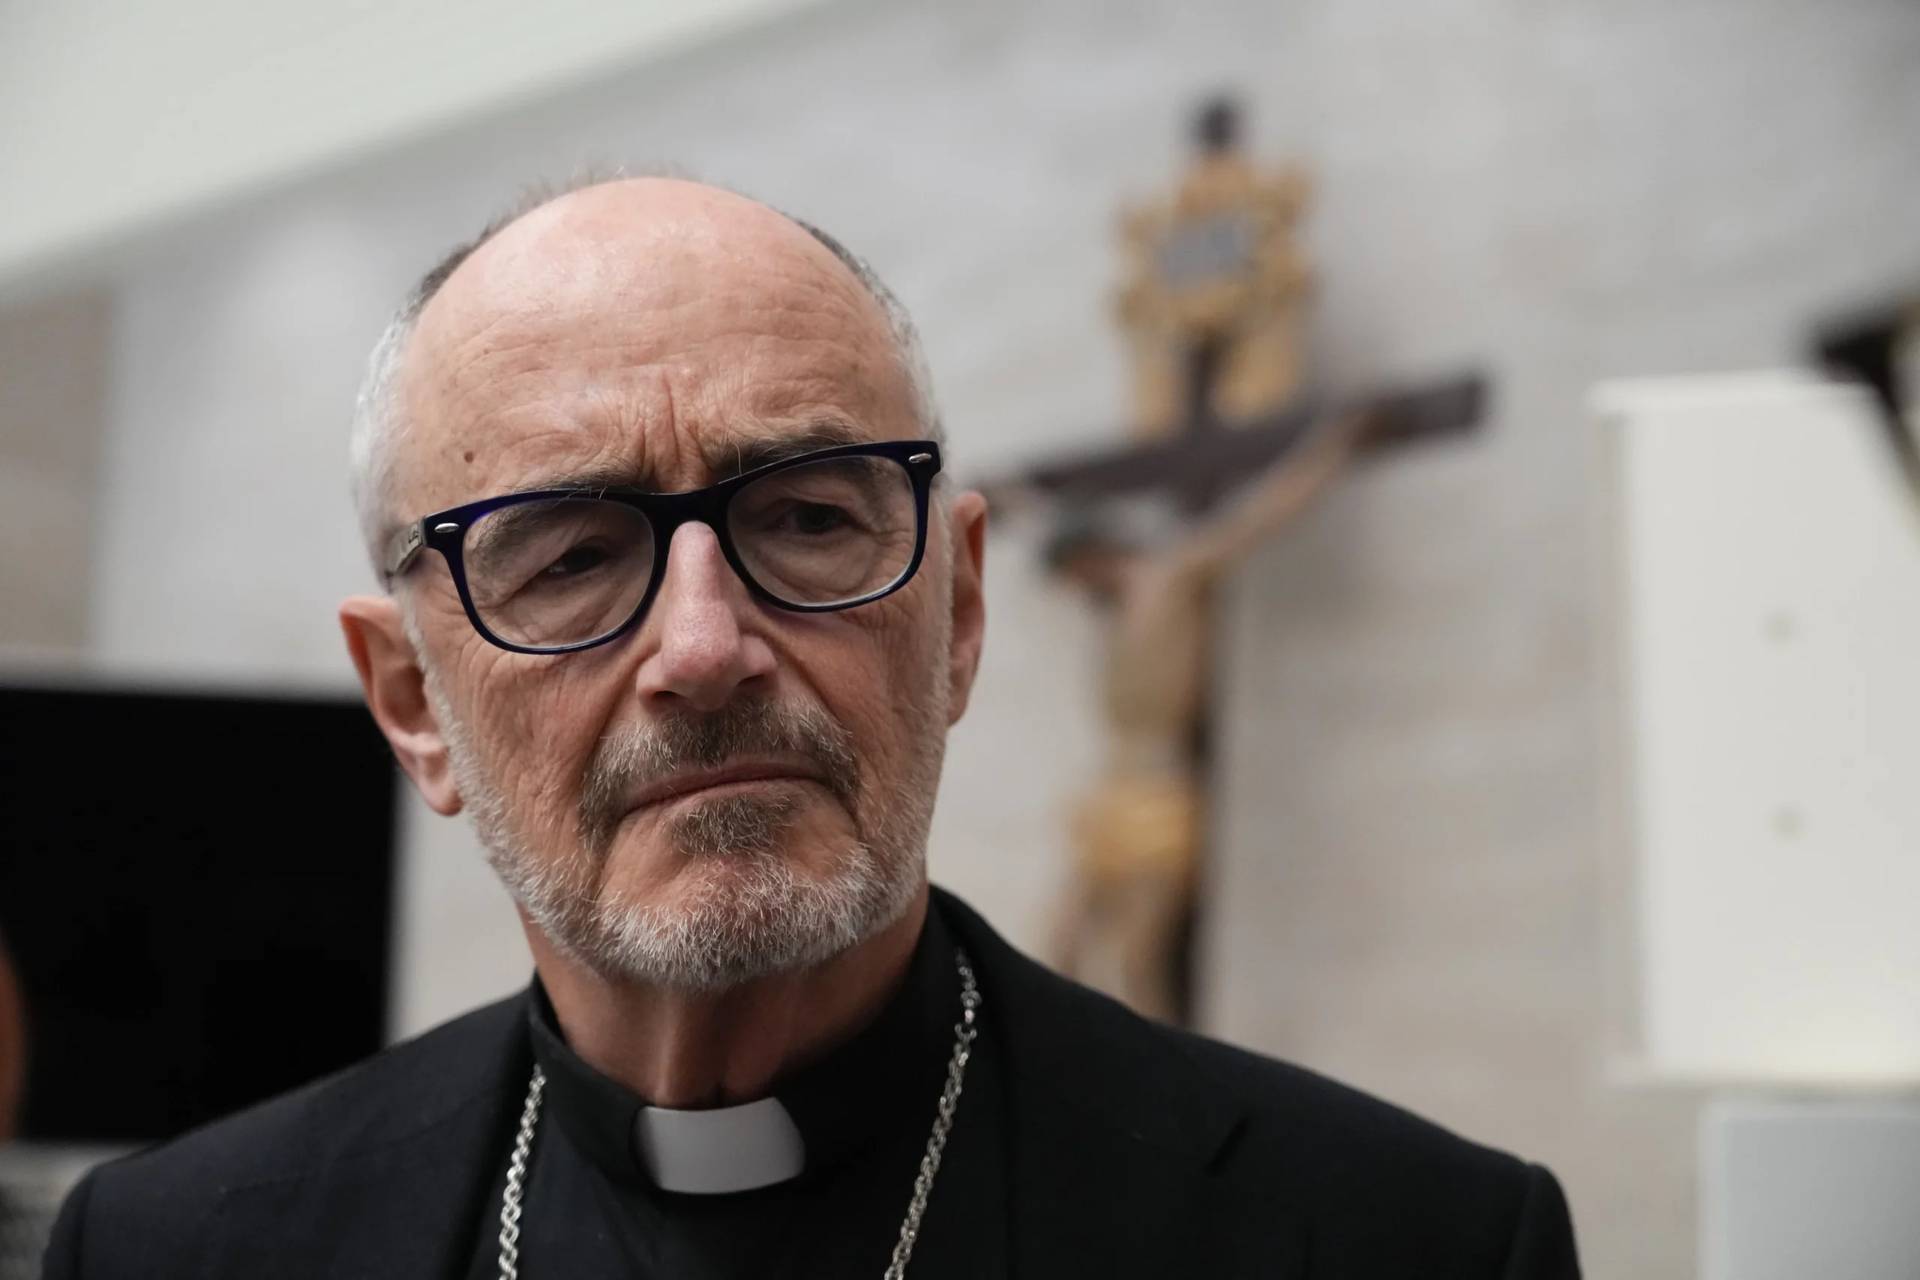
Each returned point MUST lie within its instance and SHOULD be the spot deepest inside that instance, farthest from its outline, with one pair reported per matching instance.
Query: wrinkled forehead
(660, 353)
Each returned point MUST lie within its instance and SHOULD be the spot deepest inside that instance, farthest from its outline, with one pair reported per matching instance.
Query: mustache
(640, 755)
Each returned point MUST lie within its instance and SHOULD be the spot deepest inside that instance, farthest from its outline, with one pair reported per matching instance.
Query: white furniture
(1768, 645)
(1792, 1189)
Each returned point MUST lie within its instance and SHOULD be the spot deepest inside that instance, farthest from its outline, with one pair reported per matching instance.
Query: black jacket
(1132, 1150)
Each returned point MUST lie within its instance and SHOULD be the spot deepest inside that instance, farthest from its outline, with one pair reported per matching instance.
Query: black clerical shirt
(864, 1111)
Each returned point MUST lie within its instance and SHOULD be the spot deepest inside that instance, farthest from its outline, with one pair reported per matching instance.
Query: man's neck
(710, 1049)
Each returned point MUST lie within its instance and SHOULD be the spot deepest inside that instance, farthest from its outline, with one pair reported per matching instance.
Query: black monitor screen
(196, 890)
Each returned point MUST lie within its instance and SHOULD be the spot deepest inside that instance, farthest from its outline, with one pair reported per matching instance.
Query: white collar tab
(719, 1150)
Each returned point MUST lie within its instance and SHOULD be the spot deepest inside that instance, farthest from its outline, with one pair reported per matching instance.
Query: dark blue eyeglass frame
(446, 531)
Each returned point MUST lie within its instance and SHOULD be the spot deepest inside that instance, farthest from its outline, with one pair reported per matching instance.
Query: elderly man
(679, 609)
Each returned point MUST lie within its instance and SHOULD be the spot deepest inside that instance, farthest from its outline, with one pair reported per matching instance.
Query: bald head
(583, 293)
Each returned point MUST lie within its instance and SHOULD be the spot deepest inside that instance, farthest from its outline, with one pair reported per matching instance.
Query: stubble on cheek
(538, 718)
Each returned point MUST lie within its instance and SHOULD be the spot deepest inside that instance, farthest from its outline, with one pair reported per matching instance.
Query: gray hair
(379, 422)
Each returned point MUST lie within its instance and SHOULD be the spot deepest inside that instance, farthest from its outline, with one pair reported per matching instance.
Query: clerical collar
(816, 1119)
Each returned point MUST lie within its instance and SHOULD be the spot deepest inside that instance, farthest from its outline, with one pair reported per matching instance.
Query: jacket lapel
(1117, 1136)
(411, 1208)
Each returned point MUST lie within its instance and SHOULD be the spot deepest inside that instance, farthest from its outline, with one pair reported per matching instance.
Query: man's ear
(967, 526)
(396, 691)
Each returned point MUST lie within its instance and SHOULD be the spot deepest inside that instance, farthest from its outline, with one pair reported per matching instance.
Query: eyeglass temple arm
(402, 548)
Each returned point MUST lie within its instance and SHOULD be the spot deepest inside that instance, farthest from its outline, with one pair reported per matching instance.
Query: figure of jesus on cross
(1213, 311)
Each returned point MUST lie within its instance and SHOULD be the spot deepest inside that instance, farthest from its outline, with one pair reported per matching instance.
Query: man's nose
(703, 654)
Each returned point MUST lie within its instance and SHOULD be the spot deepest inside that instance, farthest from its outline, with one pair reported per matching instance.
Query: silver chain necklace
(964, 1032)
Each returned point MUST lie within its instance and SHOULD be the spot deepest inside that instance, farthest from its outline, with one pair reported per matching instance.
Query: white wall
(114, 115)
(53, 391)
(1411, 867)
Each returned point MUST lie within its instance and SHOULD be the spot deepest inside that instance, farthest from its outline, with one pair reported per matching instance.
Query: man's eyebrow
(724, 458)
(591, 480)
(727, 458)
(500, 534)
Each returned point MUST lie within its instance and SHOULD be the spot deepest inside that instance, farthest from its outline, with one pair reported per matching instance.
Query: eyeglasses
(558, 570)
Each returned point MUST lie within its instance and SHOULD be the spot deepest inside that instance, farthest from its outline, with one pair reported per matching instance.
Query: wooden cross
(1207, 460)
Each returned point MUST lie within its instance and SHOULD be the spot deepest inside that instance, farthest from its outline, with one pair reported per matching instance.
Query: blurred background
(1559, 774)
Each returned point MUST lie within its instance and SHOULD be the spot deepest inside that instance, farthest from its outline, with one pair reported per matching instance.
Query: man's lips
(680, 785)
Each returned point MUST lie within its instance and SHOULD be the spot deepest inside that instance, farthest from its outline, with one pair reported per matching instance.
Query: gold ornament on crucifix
(1214, 277)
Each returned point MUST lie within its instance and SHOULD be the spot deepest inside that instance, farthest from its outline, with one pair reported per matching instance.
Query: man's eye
(815, 518)
(576, 561)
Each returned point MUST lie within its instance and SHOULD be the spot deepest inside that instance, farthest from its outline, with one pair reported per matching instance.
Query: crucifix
(1230, 450)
